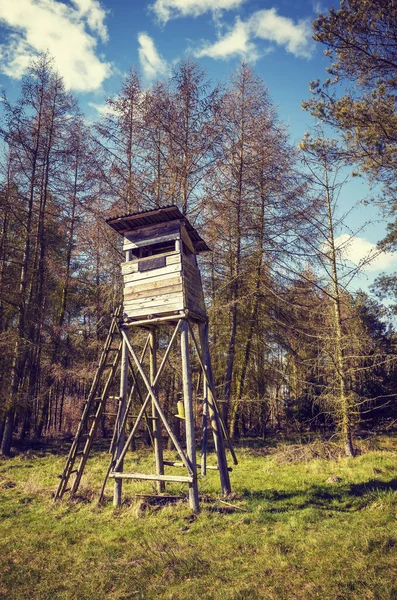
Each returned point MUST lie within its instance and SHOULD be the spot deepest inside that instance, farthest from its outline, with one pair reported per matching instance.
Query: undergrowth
(302, 523)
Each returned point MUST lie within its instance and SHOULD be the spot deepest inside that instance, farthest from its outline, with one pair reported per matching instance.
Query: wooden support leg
(189, 416)
(204, 429)
(211, 389)
(120, 425)
(215, 424)
(157, 441)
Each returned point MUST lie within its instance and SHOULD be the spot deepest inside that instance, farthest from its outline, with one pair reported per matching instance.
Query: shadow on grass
(340, 498)
(358, 489)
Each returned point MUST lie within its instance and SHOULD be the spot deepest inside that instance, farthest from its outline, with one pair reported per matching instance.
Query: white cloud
(172, 9)
(41, 25)
(153, 65)
(95, 15)
(265, 25)
(234, 42)
(358, 249)
(296, 37)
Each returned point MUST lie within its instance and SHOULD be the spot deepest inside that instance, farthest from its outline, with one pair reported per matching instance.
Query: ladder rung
(145, 417)
(92, 403)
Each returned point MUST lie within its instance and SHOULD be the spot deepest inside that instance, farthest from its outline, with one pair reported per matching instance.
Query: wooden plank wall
(153, 292)
(194, 296)
(173, 287)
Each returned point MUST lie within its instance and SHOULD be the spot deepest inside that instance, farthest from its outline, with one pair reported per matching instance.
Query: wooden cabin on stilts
(162, 289)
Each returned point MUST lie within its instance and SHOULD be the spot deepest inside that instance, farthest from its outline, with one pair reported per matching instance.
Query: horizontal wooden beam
(155, 321)
(170, 463)
(146, 477)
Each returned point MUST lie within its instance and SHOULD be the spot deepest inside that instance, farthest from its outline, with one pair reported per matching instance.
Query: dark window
(155, 263)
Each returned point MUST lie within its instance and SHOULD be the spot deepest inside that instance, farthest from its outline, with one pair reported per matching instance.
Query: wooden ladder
(92, 411)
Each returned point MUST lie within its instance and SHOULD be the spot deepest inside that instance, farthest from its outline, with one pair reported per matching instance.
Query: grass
(287, 532)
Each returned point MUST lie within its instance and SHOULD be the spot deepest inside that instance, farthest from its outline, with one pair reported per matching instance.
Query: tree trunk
(344, 408)
(7, 433)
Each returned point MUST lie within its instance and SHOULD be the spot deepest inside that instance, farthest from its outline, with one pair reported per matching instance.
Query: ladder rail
(94, 424)
(74, 449)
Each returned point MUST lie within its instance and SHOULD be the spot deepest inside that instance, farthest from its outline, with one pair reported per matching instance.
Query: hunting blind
(161, 288)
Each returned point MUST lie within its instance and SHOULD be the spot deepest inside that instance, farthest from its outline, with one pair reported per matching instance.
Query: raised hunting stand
(162, 287)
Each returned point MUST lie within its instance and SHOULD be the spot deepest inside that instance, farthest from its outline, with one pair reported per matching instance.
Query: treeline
(293, 350)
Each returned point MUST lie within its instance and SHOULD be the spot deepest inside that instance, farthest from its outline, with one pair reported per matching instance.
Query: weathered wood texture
(205, 362)
(154, 234)
(149, 477)
(157, 440)
(120, 423)
(194, 297)
(174, 284)
(131, 273)
(126, 224)
(172, 463)
(189, 415)
(155, 291)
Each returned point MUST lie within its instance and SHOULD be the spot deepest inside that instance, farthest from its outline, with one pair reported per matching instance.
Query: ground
(297, 526)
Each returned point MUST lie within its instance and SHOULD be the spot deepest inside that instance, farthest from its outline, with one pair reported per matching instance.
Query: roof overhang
(130, 222)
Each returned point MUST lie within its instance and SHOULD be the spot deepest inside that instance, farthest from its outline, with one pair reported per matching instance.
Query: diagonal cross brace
(115, 440)
(151, 394)
(212, 392)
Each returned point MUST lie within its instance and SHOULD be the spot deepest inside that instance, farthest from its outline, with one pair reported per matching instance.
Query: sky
(94, 43)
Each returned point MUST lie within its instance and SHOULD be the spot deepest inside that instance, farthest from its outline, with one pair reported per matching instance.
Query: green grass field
(295, 527)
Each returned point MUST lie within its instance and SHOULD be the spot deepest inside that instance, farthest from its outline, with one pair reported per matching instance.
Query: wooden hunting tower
(161, 287)
(161, 275)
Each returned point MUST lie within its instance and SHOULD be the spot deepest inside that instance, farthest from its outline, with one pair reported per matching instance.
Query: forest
(304, 361)
(296, 352)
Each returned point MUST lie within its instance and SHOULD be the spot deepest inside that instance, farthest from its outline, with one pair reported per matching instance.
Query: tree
(159, 184)
(119, 136)
(193, 132)
(34, 130)
(320, 157)
(344, 336)
(252, 205)
(359, 98)
(360, 41)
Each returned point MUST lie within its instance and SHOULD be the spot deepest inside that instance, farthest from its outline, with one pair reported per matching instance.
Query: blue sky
(94, 43)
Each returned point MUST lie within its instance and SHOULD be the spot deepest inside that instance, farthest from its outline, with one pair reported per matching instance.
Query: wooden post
(157, 441)
(120, 425)
(189, 416)
(204, 428)
(215, 424)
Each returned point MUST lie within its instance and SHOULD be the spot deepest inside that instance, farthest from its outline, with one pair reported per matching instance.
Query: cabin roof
(129, 222)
